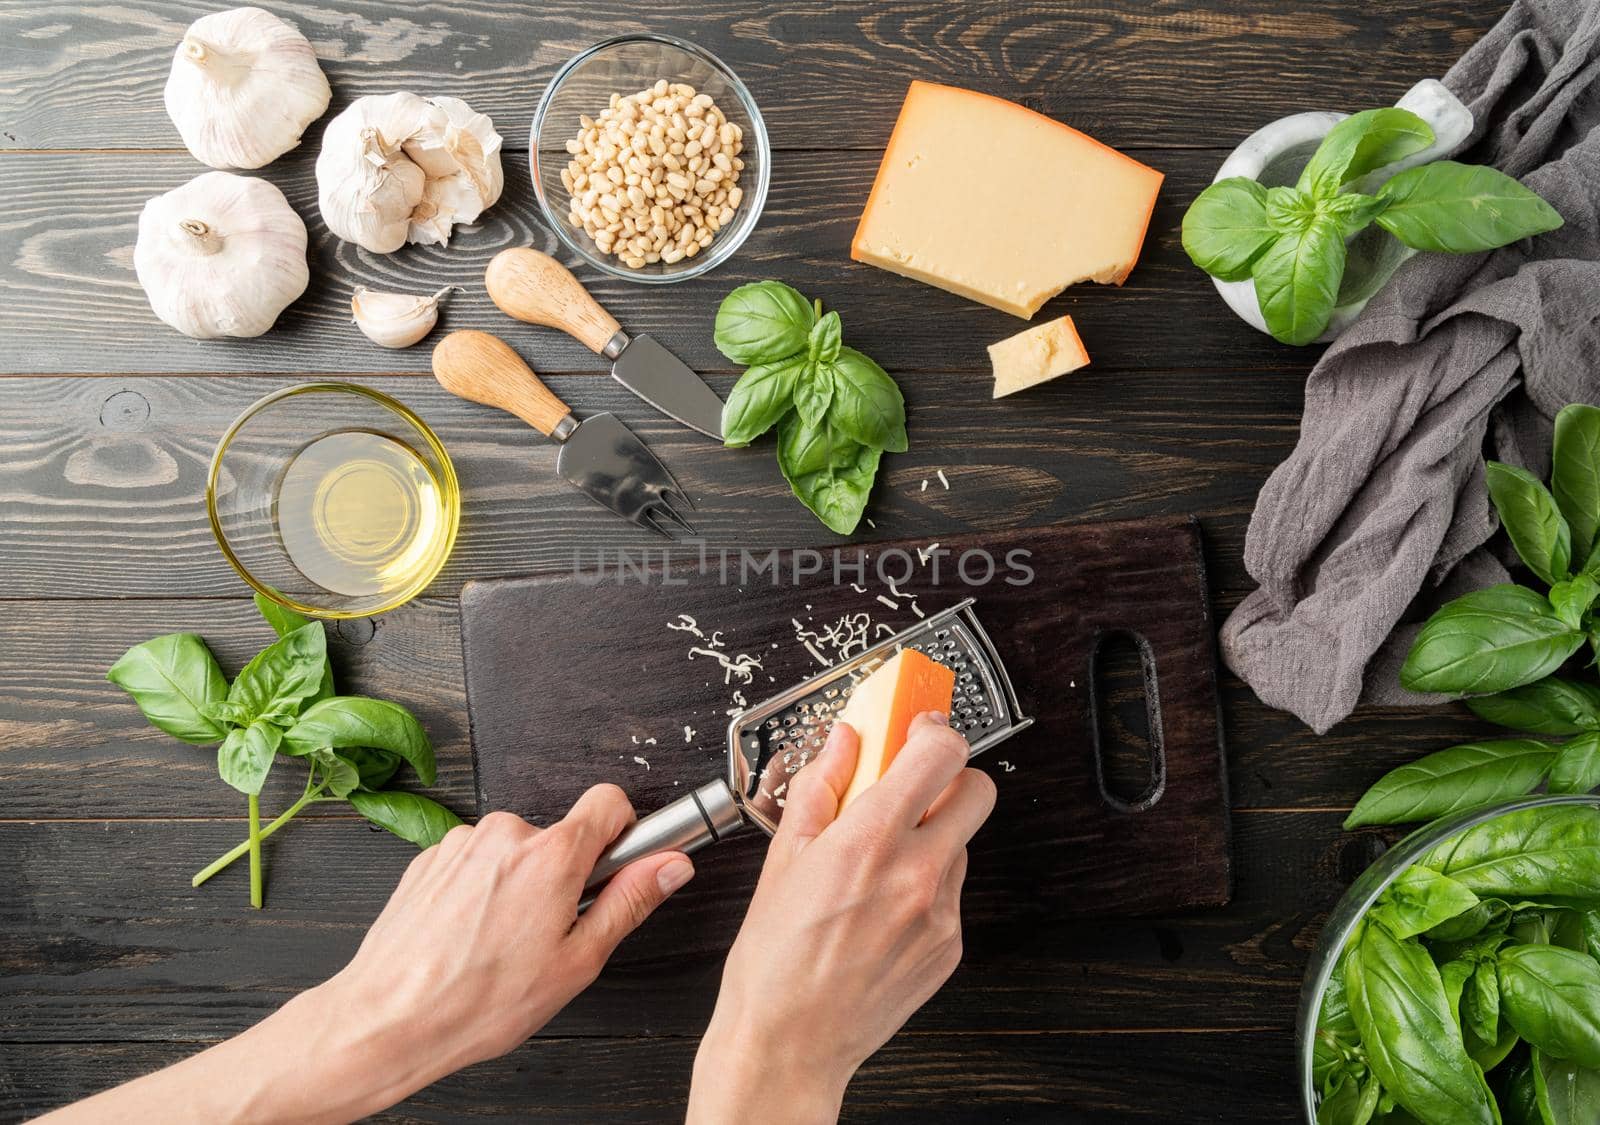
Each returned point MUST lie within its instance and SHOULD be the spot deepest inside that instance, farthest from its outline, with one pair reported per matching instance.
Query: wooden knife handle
(534, 287)
(483, 368)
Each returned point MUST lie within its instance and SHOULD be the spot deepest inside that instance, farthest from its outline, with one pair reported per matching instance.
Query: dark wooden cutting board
(576, 678)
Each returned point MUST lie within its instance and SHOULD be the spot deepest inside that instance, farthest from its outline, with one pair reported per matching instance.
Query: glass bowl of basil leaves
(626, 64)
(1458, 980)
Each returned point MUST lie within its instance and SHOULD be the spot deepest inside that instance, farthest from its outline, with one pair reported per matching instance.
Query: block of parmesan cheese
(1036, 355)
(999, 204)
(881, 708)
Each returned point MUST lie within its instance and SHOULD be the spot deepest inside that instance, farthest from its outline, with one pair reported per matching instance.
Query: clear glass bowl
(625, 65)
(1361, 895)
(354, 456)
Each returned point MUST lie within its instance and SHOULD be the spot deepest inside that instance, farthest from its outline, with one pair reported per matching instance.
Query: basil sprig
(836, 411)
(1291, 240)
(1470, 990)
(283, 702)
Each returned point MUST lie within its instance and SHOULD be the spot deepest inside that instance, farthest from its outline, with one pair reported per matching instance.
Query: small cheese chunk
(999, 204)
(1036, 355)
(881, 708)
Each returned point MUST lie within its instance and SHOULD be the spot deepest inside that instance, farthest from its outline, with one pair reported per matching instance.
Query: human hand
(855, 923)
(481, 943)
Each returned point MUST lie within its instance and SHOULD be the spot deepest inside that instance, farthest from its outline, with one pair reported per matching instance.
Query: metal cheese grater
(771, 742)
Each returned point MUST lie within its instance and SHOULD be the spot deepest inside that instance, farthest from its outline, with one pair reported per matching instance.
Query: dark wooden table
(112, 965)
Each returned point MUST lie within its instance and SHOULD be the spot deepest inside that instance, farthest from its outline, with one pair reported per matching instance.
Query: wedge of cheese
(1036, 355)
(1000, 204)
(881, 708)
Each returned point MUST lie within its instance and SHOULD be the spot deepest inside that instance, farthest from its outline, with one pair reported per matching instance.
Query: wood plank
(1049, 1079)
(73, 746)
(104, 479)
(101, 936)
(66, 262)
(825, 75)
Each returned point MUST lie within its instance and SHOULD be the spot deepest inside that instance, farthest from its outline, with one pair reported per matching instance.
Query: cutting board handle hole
(1125, 714)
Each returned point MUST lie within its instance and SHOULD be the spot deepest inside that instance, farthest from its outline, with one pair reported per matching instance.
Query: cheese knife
(598, 454)
(534, 287)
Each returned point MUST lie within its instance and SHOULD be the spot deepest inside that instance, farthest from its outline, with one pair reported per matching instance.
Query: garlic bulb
(395, 320)
(222, 255)
(396, 168)
(244, 86)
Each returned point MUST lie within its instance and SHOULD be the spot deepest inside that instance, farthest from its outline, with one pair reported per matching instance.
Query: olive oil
(360, 513)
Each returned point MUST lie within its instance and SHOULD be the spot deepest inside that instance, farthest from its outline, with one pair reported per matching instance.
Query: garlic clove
(222, 255)
(395, 320)
(397, 168)
(243, 87)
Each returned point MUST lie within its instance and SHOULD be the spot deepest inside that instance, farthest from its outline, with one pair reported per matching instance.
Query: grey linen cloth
(1381, 512)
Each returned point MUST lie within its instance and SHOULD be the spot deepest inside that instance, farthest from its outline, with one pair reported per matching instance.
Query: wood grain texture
(74, 746)
(102, 938)
(634, 685)
(1037, 1079)
(826, 76)
(105, 478)
(66, 260)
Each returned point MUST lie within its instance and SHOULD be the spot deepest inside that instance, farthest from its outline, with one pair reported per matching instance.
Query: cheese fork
(598, 454)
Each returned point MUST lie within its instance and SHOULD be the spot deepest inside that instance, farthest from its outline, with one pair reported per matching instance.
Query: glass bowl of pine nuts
(650, 159)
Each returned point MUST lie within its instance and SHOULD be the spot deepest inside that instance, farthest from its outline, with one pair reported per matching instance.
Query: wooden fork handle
(483, 368)
(534, 287)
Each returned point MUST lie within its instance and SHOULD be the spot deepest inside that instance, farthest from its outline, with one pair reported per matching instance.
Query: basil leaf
(374, 768)
(867, 405)
(1418, 900)
(763, 322)
(763, 394)
(830, 472)
(1565, 1093)
(1548, 706)
(1575, 476)
(1289, 211)
(340, 776)
(283, 676)
(1480, 1004)
(1352, 210)
(1481, 928)
(1412, 1040)
(1552, 997)
(353, 720)
(1351, 1100)
(1335, 1017)
(1488, 641)
(225, 713)
(1532, 520)
(814, 394)
(1225, 229)
(1362, 143)
(1297, 281)
(173, 679)
(1552, 854)
(282, 619)
(1577, 766)
(1448, 781)
(408, 815)
(1519, 1105)
(245, 756)
(826, 336)
(1461, 208)
(285, 621)
(1571, 599)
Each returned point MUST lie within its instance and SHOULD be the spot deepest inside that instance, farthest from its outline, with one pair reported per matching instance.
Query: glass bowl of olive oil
(333, 499)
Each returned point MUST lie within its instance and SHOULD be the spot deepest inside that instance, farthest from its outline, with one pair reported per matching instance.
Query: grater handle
(700, 817)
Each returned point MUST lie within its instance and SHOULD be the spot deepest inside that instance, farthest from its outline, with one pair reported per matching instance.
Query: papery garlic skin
(395, 320)
(244, 85)
(397, 168)
(222, 255)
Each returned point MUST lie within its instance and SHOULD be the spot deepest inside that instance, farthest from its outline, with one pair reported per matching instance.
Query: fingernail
(938, 717)
(674, 875)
